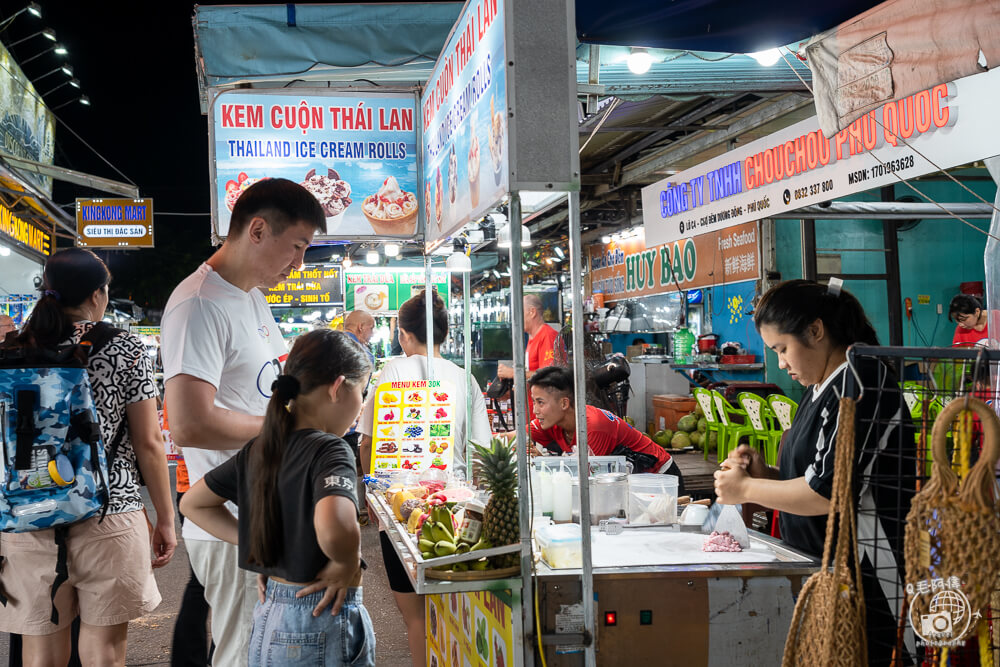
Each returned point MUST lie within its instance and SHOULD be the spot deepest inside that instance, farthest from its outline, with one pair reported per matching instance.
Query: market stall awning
(27, 201)
(709, 25)
(237, 44)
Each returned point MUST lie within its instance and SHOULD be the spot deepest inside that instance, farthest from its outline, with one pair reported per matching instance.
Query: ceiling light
(559, 252)
(766, 58)
(391, 249)
(503, 236)
(4, 251)
(639, 61)
(372, 257)
(459, 262)
(532, 262)
(34, 9)
(49, 34)
(60, 49)
(348, 263)
(496, 274)
(605, 239)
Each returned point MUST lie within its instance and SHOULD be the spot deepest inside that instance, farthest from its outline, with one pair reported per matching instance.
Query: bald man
(541, 339)
(360, 326)
(6, 325)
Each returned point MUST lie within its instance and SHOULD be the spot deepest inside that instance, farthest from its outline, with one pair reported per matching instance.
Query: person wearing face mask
(809, 326)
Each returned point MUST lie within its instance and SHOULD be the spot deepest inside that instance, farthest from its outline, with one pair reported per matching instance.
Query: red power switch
(610, 618)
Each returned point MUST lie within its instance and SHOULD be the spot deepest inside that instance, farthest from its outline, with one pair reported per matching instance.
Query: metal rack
(416, 567)
(928, 378)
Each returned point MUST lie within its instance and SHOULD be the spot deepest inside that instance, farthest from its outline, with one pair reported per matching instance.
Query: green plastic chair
(760, 419)
(783, 409)
(704, 398)
(734, 430)
(918, 399)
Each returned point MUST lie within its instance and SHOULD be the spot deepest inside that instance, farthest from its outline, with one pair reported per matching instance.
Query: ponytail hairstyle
(317, 358)
(412, 317)
(70, 277)
(792, 306)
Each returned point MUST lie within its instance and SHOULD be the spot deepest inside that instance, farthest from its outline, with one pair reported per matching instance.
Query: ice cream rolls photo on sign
(333, 194)
(391, 211)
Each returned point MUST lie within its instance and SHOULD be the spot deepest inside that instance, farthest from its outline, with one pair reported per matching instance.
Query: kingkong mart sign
(626, 269)
(950, 125)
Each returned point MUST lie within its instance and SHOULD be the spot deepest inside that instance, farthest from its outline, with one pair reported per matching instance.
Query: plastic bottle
(683, 340)
(562, 496)
(545, 491)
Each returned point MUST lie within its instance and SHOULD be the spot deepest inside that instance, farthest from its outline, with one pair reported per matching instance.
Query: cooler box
(668, 410)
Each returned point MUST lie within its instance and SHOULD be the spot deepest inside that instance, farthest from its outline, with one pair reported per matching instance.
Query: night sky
(135, 60)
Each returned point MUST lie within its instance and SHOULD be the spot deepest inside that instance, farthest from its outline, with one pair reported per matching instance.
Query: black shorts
(399, 581)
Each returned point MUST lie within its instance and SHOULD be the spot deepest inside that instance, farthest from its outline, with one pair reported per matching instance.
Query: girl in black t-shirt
(296, 483)
(810, 326)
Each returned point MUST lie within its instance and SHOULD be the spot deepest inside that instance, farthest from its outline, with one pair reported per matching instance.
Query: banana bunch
(437, 539)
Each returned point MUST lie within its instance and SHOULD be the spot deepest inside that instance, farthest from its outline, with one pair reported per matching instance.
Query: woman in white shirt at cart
(412, 327)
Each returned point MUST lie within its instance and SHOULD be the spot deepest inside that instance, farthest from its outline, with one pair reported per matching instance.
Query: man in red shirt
(541, 340)
(607, 435)
(541, 343)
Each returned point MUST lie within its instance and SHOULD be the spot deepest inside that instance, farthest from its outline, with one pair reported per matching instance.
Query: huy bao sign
(24, 234)
(114, 223)
(950, 124)
(356, 154)
(312, 286)
(465, 124)
(627, 269)
(382, 292)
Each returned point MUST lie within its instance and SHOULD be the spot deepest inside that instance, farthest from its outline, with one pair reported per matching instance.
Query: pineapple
(499, 473)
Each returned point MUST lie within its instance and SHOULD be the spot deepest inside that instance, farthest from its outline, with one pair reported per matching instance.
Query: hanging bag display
(953, 530)
(828, 626)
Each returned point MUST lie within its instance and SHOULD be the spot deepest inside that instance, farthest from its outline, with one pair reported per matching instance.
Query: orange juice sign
(473, 629)
(414, 425)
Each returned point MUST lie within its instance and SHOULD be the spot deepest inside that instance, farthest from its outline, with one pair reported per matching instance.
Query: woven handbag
(953, 530)
(828, 626)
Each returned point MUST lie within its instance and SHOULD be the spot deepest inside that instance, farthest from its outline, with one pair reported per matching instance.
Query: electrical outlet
(940, 309)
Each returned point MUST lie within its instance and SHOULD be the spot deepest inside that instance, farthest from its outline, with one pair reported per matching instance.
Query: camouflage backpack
(55, 470)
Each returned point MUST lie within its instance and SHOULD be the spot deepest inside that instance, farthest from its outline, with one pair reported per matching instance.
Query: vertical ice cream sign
(464, 122)
(357, 155)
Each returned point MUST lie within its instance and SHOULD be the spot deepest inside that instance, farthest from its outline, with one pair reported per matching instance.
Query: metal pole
(520, 404)
(580, 403)
(429, 286)
(467, 337)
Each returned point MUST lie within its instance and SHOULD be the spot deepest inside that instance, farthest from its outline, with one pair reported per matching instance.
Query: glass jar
(472, 523)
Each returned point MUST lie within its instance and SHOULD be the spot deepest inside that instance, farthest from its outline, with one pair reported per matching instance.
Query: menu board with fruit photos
(474, 629)
(414, 425)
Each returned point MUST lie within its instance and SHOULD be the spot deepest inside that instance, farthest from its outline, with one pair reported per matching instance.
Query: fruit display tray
(477, 575)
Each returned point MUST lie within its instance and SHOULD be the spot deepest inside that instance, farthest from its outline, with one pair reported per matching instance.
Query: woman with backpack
(296, 487)
(97, 568)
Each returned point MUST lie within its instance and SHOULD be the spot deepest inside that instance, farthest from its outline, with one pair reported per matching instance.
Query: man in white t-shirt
(221, 352)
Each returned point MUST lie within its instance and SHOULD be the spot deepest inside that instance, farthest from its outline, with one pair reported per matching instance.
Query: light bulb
(348, 263)
(605, 239)
(391, 249)
(766, 58)
(372, 257)
(639, 61)
(559, 252)
(459, 262)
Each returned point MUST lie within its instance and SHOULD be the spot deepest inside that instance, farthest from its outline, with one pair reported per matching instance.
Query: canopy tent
(709, 25)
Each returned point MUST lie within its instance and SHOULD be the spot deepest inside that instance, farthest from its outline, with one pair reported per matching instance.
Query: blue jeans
(286, 633)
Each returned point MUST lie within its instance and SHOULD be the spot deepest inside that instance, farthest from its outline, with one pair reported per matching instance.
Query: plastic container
(608, 495)
(652, 499)
(561, 545)
(668, 410)
(562, 496)
(571, 464)
(683, 340)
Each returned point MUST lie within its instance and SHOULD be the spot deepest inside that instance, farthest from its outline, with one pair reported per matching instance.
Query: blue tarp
(236, 43)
